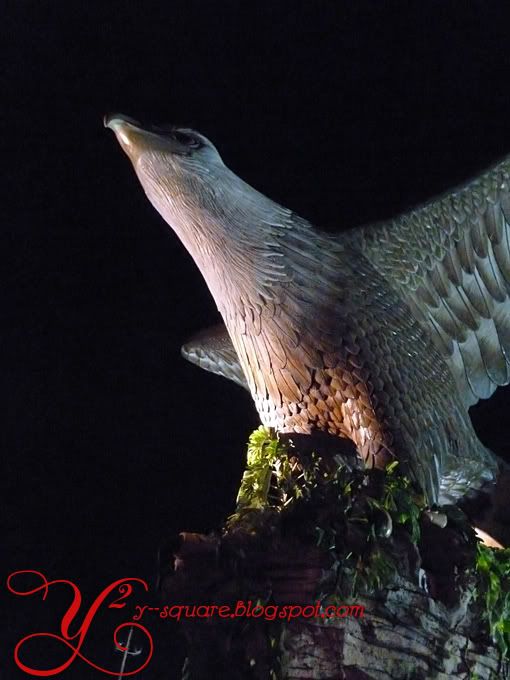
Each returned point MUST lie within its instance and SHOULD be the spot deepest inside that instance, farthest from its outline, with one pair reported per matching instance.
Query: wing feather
(213, 351)
(450, 259)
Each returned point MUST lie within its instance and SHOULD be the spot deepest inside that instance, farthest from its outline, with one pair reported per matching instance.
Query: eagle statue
(385, 334)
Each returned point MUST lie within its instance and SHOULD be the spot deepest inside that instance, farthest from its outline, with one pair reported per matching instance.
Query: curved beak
(112, 119)
(129, 133)
(134, 139)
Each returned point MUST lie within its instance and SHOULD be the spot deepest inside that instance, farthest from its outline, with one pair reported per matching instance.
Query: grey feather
(470, 224)
(213, 351)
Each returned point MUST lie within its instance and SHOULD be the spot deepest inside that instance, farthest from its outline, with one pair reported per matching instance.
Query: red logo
(74, 641)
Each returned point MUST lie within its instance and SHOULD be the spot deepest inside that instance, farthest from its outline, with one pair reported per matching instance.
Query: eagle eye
(186, 139)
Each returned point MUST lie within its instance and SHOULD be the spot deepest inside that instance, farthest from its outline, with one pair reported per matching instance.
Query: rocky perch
(336, 572)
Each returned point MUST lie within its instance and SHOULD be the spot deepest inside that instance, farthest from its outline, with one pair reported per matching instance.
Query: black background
(346, 112)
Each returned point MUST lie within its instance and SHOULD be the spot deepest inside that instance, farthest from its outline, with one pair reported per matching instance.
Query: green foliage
(266, 456)
(493, 567)
(273, 479)
(351, 514)
(401, 502)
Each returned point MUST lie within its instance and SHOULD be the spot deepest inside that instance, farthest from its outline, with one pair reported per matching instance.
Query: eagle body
(334, 347)
(384, 334)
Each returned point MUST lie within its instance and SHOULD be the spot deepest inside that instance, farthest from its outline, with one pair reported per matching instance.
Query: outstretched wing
(450, 259)
(213, 351)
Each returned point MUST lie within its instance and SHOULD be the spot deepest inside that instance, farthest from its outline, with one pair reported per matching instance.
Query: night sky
(347, 112)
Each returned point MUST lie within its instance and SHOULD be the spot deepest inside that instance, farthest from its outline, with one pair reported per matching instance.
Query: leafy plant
(402, 502)
(268, 466)
(493, 567)
(348, 513)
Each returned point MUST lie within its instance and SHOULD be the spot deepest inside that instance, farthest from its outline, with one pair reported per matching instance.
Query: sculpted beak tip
(127, 130)
(134, 137)
(113, 120)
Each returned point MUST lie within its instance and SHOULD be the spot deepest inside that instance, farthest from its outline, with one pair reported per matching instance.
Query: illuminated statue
(384, 334)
